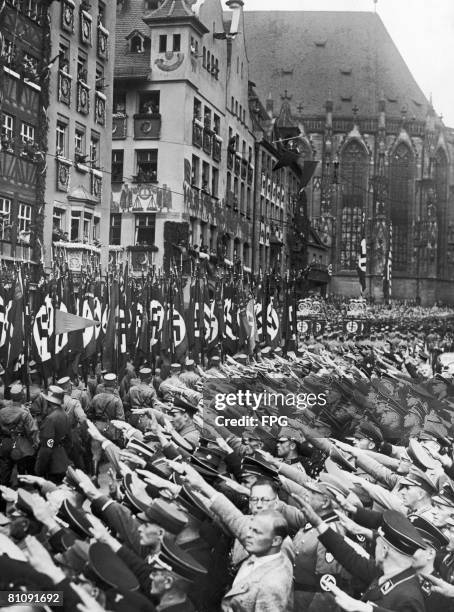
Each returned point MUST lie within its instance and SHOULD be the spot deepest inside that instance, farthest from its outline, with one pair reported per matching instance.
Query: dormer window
(138, 42)
(137, 45)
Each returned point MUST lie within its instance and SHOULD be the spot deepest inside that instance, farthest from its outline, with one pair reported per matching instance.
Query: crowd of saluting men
(125, 494)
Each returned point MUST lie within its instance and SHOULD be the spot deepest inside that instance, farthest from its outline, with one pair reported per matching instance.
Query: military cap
(314, 487)
(76, 556)
(108, 566)
(290, 433)
(181, 405)
(16, 391)
(258, 467)
(251, 433)
(189, 363)
(174, 559)
(145, 372)
(76, 519)
(139, 501)
(446, 495)
(420, 456)
(192, 504)
(215, 360)
(334, 485)
(369, 431)
(433, 536)
(342, 461)
(398, 531)
(55, 395)
(63, 381)
(140, 448)
(418, 478)
(175, 367)
(110, 378)
(166, 515)
(208, 459)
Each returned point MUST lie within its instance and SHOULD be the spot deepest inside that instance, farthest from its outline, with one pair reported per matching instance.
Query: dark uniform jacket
(18, 431)
(52, 457)
(401, 593)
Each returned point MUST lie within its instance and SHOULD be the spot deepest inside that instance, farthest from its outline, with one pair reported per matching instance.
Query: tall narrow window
(354, 165)
(441, 188)
(115, 229)
(401, 169)
(117, 166)
(5, 218)
(7, 126)
(163, 43)
(176, 42)
(60, 144)
(145, 229)
(27, 132)
(75, 225)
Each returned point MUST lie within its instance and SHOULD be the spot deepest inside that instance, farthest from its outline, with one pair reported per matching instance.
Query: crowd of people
(331, 489)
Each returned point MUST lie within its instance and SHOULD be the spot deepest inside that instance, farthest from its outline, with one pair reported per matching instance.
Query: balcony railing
(147, 126)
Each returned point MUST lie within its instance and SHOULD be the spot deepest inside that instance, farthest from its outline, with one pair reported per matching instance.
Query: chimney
(237, 8)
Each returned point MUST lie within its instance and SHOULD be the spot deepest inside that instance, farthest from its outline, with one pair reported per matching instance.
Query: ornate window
(354, 167)
(401, 169)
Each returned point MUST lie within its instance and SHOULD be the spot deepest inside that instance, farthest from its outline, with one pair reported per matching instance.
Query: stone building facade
(385, 167)
(76, 225)
(183, 148)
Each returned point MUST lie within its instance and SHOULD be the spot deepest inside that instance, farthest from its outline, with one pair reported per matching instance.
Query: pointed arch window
(401, 169)
(353, 171)
(441, 192)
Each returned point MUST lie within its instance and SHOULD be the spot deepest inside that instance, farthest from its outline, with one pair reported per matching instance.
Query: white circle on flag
(326, 582)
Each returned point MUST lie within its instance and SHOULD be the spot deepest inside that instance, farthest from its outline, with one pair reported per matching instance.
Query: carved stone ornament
(67, 15)
(83, 98)
(100, 109)
(63, 173)
(64, 87)
(85, 27)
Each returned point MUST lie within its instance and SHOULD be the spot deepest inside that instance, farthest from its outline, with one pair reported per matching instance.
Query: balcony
(217, 148)
(119, 123)
(141, 256)
(78, 255)
(207, 137)
(64, 87)
(100, 108)
(197, 133)
(145, 177)
(147, 126)
(63, 173)
(102, 46)
(83, 98)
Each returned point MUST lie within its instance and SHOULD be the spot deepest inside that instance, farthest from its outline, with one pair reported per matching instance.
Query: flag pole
(26, 334)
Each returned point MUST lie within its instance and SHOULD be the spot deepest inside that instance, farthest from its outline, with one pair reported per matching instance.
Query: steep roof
(130, 18)
(348, 56)
(172, 8)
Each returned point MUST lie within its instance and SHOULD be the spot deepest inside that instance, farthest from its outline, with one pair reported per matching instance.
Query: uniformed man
(173, 572)
(77, 417)
(52, 459)
(313, 560)
(189, 376)
(142, 393)
(105, 407)
(288, 446)
(183, 421)
(368, 437)
(416, 491)
(109, 381)
(19, 437)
